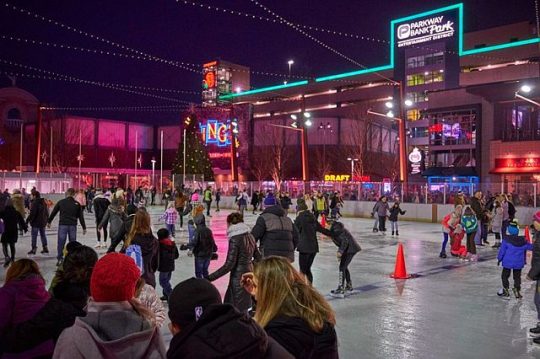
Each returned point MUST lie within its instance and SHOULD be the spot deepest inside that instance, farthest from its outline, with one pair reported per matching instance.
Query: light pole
(324, 128)
(526, 89)
(353, 160)
(290, 63)
(153, 170)
(187, 122)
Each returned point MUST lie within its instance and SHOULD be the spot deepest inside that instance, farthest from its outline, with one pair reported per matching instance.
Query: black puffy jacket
(203, 244)
(276, 232)
(39, 213)
(168, 252)
(343, 239)
(307, 227)
(534, 272)
(100, 204)
(242, 250)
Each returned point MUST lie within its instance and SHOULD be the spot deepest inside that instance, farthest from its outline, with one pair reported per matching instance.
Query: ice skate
(339, 292)
(45, 250)
(32, 252)
(517, 293)
(503, 293)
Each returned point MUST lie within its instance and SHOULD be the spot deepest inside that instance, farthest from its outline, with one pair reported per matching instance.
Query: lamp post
(290, 63)
(353, 160)
(526, 89)
(153, 170)
(324, 128)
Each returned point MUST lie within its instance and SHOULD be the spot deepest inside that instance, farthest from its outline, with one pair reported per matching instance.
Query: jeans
(306, 261)
(346, 259)
(471, 245)
(191, 232)
(444, 242)
(504, 227)
(376, 222)
(165, 283)
(63, 232)
(394, 226)
(517, 278)
(478, 235)
(484, 232)
(170, 228)
(201, 267)
(42, 235)
(217, 206)
(242, 208)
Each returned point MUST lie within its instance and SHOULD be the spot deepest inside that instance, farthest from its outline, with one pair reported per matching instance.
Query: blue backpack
(134, 252)
(469, 223)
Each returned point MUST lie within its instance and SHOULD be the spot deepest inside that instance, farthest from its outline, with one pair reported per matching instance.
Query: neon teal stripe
(263, 89)
(501, 46)
(354, 73)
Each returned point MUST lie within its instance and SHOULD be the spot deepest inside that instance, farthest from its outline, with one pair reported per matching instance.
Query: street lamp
(153, 169)
(526, 89)
(324, 128)
(290, 63)
(353, 160)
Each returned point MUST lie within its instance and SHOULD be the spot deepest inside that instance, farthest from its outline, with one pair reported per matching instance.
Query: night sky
(190, 34)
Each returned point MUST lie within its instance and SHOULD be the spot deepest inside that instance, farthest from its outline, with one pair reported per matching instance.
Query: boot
(536, 340)
(442, 255)
(535, 330)
(45, 250)
(339, 292)
(517, 293)
(32, 251)
(392, 232)
(6, 262)
(504, 293)
(349, 288)
(397, 233)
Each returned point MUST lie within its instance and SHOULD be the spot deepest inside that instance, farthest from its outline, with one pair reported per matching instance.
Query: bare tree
(273, 154)
(322, 161)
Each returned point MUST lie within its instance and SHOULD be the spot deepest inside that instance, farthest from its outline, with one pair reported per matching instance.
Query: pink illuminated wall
(144, 135)
(86, 127)
(111, 134)
(172, 135)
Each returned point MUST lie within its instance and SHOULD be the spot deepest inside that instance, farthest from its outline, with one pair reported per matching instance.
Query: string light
(112, 86)
(117, 108)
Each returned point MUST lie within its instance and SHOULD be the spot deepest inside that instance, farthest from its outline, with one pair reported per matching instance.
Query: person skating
(101, 203)
(470, 224)
(17, 201)
(347, 249)
(320, 205)
(534, 274)
(449, 223)
(456, 248)
(39, 213)
(13, 221)
(180, 204)
(202, 246)
(477, 207)
(168, 253)
(114, 217)
(170, 216)
(381, 210)
(242, 201)
(512, 256)
(218, 199)
(497, 222)
(208, 199)
(70, 211)
(395, 211)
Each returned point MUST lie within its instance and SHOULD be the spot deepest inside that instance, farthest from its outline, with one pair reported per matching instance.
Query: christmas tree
(197, 159)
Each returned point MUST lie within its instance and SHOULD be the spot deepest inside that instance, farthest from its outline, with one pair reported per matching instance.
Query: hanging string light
(116, 108)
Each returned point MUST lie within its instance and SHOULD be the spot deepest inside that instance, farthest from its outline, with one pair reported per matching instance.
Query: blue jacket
(512, 252)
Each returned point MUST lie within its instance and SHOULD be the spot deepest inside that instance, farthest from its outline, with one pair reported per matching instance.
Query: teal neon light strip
(535, 40)
(263, 89)
(390, 66)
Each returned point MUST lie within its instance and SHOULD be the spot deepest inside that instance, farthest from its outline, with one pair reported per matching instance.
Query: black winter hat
(163, 233)
(190, 298)
(301, 204)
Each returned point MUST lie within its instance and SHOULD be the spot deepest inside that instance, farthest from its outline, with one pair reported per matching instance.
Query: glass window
(457, 128)
(413, 115)
(416, 79)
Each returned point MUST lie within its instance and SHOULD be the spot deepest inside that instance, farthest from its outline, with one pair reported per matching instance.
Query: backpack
(134, 252)
(469, 223)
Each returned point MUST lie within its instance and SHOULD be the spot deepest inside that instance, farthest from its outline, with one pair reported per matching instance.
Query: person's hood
(31, 288)
(145, 241)
(237, 229)
(99, 195)
(276, 209)
(516, 241)
(307, 216)
(337, 227)
(216, 335)
(199, 220)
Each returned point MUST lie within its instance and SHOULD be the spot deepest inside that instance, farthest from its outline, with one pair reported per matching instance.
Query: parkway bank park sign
(431, 29)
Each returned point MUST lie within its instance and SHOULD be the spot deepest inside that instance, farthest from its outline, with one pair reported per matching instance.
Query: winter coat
(150, 256)
(4, 198)
(296, 336)
(320, 204)
(47, 324)
(203, 244)
(242, 250)
(150, 299)
(180, 201)
(307, 227)
(70, 210)
(110, 330)
(477, 207)
(207, 196)
(512, 252)
(11, 218)
(255, 199)
(343, 239)
(394, 212)
(115, 217)
(20, 300)
(381, 208)
(17, 199)
(168, 252)
(286, 202)
(450, 221)
(39, 212)
(224, 332)
(100, 207)
(276, 232)
(456, 248)
(497, 220)
(73, 293)
(469, 223)
(534, 272)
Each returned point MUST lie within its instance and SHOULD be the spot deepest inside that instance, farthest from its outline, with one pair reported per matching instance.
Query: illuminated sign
(337, 178)
(416, 32)
(415, 157)
(209, 81)
(216, 155)
(215, 132)
(517, 165)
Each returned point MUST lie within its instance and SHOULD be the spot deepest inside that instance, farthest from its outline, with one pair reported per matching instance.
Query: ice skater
(534, 274)
(395, 211)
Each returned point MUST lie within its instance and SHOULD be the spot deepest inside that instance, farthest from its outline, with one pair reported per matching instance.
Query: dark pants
(517, 278)
(208, 205)
(63, 232)
(217, 206)
(180, 211)
(165, 283)
(170, 228)
(484, 232)
(201, 267)
(346, 259)
(98, 232)
(11, 247)
(471, 246)
(306, 261)
(43, 236)
(537, 299)
(382, 223)
(89, 207)
(114, 243)
(504, 227)
(444, 243)
(254, 207)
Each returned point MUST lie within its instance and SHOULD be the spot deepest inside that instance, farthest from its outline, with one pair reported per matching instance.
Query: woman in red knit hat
(117, 325)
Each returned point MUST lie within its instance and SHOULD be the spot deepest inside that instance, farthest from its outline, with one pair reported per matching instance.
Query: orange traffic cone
(323, 220)
(527, 235)
(400, 272)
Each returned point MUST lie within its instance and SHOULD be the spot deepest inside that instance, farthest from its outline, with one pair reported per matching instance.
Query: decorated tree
(197, 159)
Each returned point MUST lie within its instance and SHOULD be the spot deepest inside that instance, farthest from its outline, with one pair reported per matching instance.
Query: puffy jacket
(307, 227)
(168, 252)
(295, 335)
(343, 239)
(150, 256)
(469, 223)
(38, 213)
(450, 221)
(100, 207)
(381, 208)
(12, 218)
(497, 220)
(242, 250)
(512, 252)
(115, 217)
(224, 332)
(203, 244)
(70, 210)
(477, 207)
(394, 212)
(534, 272)
(276, 232)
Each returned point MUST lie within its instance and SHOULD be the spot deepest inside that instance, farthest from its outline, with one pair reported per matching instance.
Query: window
(14, 114)
(418, 96)
(434, 76)
(413, 115)
(425, 60)
(418, 132)
(454, 128)
(416, 61)
(435, 59)
(425, 78)
(416, 79)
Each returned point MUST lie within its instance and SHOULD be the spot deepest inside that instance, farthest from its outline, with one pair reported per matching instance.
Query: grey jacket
(115, 216)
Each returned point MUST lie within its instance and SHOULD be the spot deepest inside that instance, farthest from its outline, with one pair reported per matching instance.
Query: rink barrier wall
(416, 212)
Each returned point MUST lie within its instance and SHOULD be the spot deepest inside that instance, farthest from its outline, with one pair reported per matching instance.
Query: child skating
(457, 249)
(534, 274)
(395, 211)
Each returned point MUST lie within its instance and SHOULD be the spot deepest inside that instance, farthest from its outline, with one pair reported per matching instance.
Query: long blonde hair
(141, 225)
(282, 290)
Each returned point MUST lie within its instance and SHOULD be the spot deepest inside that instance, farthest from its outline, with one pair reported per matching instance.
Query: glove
(498, 263)
(338, 255)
